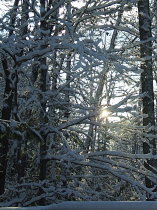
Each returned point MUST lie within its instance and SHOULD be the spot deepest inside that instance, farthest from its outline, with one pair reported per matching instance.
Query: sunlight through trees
(77, 101)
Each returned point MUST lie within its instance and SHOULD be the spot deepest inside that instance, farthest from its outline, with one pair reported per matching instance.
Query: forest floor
(94, 205)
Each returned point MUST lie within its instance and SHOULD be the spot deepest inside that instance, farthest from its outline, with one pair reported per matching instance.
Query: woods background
(77, 101)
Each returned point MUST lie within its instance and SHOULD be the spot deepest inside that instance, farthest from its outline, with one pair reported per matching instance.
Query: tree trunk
(21, 161)
(147, 80)
(9, 95)
(10, 103)
(13, 17)
(42, 86)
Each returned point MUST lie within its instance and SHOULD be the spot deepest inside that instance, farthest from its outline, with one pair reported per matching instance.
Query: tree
(71, 62)
(147, 80)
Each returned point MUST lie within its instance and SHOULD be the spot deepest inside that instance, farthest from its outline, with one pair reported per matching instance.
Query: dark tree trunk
(10, 103)
(16, 160)
(21, 155)
(6, 114)
(147, 80)
(24, 19)
(13, 17)
(42, 71)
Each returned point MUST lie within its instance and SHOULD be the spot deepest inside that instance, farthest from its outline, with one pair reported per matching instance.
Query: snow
(94, 205)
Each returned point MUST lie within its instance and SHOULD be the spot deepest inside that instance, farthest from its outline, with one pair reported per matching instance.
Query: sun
(104, 113)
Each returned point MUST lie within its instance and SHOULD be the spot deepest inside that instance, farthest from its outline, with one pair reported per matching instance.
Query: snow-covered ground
(94, 205)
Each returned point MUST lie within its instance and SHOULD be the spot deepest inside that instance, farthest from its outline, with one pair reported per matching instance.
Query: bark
(6, 115)
(13, 17)
(17, 159)
(42, 74)
(24, 19)
(147, 80)
(42, 87)
(10, 102)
